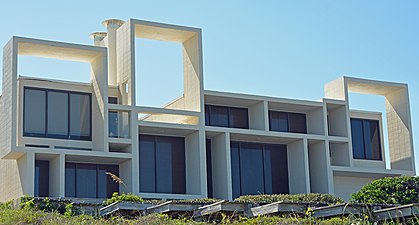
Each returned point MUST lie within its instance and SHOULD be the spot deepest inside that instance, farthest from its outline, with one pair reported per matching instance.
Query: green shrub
(123, 198)
(27, 202)
(312, 197)
(389, 190)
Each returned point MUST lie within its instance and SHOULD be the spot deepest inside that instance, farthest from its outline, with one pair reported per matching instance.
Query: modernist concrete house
(59, 138)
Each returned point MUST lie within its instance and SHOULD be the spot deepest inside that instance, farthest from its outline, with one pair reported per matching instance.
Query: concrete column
(98, 38)
(112, 25)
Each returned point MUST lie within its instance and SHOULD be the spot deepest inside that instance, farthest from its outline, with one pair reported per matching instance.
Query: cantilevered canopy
(163, 32)
(58, 50)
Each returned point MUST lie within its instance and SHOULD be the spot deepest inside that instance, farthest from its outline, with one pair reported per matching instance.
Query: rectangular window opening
(287, 122)
(41, 178)
(83, 180)
(57, 114)
(162, 164)
(366, 142)
(224, 116)
(259, 168)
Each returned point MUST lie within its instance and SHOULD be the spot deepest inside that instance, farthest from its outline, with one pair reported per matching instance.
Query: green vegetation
(312, 198)
(45, 211)
(123, 198)
(389, 190)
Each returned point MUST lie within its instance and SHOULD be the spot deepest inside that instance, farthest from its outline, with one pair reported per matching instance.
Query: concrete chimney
(112, 25)
(98, 38)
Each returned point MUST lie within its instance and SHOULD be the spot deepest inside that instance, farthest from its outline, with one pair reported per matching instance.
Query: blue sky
(276, 48)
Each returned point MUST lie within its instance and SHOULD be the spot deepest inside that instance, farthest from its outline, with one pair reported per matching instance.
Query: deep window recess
(41, 178)
(113, 100)
(113, 124)
(84, 180)
(113, 119)
(259, 168)
(287, 122)
(223, 116)
(162, 164)
(57, 114)
(366, 143)
(209, 168)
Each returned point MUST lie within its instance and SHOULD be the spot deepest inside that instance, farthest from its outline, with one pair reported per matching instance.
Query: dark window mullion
(97, 180)
(46, 114)
(364, 139)
(68, 115)
(240, 168)
(208, 111)
(264, 167)
(155, 163)
(75, 180)
(90, 115)
(228, 117)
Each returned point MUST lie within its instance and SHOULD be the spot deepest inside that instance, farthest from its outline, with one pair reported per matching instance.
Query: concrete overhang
(366, 86)
(163, 32)
(58, 50)
(368, 172)
(246, 100)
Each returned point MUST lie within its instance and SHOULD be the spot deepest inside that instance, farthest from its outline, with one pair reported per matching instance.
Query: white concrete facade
(319, 160)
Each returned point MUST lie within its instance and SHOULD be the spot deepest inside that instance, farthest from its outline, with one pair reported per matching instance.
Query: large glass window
(84, 180)
(80, 116)
(287, 122)
(223, 116)
(259, 168)
(41, 178)
(162, 164)
(119, 124)
(366, 143)
(57, 114)
(34, 113)
(113, 124)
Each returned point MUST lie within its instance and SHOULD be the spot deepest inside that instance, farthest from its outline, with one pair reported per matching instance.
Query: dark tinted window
(147, 164)
(209, 167)
(223, 116)
(41, 178)
(258, 168)
(162, 164)
(113, 124)
(218, 116)
(70, 180)
(34, 114)
(366, 143)
(235, 169)
(56, 114)
(104, 191)
(84, 180)
(80, 116)
(238, 118)
(287, 122)
(113, 100)
(251, 169)
(278, 121)
(357, 132)
(276, 158)
(297, 122)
